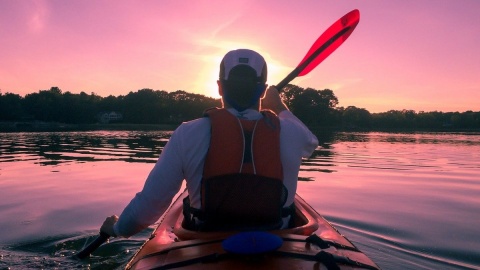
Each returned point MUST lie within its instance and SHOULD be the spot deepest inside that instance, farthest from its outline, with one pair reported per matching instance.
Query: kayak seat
(239, 202)
(304, 223)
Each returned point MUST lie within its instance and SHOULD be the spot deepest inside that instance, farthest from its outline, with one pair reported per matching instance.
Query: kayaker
(198, 151)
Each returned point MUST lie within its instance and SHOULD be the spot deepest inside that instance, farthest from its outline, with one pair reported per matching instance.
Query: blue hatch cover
(252, 243)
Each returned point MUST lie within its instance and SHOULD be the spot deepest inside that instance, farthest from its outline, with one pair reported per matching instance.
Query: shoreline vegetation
(13, 127)
(61, 127)
(53, 110)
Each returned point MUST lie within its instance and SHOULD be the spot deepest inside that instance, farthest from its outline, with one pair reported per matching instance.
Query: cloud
(38, 16)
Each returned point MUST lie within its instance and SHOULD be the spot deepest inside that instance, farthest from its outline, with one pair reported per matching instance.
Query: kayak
(311, 243)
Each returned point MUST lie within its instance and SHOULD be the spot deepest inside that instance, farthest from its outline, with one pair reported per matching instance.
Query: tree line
(316, 108)
(145, 106)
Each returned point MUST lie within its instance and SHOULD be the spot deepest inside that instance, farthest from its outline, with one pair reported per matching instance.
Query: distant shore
(38, 126)
(59, 127)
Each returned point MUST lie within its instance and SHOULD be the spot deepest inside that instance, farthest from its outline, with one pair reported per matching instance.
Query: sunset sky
(404, 54)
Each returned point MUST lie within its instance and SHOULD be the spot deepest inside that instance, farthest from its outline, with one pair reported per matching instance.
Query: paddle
(328, 42)
(102, 238)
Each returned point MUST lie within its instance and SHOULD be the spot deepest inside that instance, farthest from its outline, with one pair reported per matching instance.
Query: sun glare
(276, 72)
(207, 79)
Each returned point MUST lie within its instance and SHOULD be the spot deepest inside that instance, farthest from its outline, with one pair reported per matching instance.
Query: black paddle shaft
(102, 238)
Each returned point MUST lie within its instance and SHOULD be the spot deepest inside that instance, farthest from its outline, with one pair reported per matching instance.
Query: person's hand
(107, 226)
(272, 101)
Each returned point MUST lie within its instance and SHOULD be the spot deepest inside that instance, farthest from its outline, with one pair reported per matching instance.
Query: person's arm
(272, 101)
(163, 182)
(300, 134)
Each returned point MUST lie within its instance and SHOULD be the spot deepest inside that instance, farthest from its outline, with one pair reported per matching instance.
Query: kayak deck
(312, 243)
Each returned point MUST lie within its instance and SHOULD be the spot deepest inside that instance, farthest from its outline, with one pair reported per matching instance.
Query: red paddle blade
(329, 41)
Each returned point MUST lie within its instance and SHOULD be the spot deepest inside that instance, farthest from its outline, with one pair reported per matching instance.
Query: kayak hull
(312, 243)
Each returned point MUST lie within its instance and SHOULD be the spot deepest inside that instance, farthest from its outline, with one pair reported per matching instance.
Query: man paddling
(240, 164)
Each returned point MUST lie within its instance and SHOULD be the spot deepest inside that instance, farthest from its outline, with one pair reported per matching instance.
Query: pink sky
(404, 54)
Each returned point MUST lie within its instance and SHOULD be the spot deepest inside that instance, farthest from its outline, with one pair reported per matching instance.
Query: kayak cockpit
(303, 223)
(311, 240)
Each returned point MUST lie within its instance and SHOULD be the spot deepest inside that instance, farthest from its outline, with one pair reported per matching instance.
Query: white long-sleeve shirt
(183, 158)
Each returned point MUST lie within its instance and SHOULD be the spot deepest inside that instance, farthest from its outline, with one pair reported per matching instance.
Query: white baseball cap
(244, 57)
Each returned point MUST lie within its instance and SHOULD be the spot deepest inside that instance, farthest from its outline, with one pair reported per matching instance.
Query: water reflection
(391, 151)
(64, 147)
(134, 146)
(453, 138)
(409, 200)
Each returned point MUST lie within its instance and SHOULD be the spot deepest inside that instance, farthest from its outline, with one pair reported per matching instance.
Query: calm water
(409, 201)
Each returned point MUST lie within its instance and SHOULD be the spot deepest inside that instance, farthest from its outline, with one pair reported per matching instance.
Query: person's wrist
(279, 108)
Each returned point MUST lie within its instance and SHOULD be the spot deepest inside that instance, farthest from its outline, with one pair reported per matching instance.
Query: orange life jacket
(243, 146)
(242, 185)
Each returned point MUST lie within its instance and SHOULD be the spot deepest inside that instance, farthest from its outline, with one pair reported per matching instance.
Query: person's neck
(255, 107)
